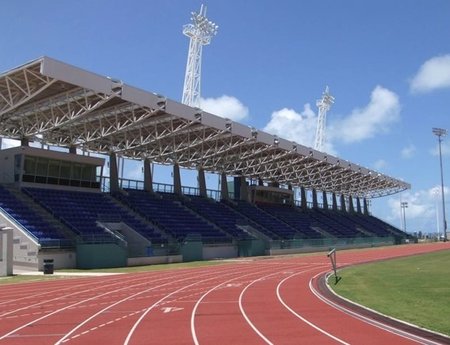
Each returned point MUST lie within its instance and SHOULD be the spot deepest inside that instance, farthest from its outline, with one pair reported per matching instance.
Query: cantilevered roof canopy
(59, 104)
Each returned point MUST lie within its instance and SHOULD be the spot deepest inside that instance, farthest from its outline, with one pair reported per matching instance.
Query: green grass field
(414, 289)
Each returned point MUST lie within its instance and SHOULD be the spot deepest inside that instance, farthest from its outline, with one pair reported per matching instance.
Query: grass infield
(414, 289)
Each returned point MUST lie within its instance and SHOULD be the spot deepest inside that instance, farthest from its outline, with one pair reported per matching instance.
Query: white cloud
(433, 74)
(382, 111)
(225, 106)
(380, 164)
(408, 151)
(421, 211)
(299, 127)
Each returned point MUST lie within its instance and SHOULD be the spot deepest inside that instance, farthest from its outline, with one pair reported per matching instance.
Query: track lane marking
(228, 285)
(244, 314)
(133, 329)
(68, 334)
(83, 301)
(186, 277)
(301, 317)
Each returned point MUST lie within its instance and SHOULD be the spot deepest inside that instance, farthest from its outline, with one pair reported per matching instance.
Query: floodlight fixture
(200, 32)
(324, 104)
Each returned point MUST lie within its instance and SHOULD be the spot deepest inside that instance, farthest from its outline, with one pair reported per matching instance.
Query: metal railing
(331, 242)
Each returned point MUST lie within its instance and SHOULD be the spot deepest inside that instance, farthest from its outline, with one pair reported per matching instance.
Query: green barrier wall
(251, 247)
(192, 251)
(100, 255)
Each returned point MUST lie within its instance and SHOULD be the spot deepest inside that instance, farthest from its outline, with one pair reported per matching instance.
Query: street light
(404, 205)
(440, 132)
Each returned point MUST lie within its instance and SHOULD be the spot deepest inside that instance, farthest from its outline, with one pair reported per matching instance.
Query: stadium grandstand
(61, 206)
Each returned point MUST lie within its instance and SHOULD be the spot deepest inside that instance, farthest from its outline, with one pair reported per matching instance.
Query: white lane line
(81, 324)
(143, 279)
(244, 314)
(65, 296)
(221, 285)
(383, 326)
(301, 317)
(136, 324)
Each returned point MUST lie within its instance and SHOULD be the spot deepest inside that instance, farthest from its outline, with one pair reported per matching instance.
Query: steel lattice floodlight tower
(440, 132)
(200, 31)
(324, 104)
(404, 206)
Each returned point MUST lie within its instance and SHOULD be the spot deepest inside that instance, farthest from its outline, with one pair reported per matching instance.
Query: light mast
(200, 31)
(324, 104)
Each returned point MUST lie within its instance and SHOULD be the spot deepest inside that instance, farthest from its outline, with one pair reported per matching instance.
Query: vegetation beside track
(415, 289)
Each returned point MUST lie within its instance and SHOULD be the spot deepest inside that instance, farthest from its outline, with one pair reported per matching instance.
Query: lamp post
(404, 205)
(440, 132)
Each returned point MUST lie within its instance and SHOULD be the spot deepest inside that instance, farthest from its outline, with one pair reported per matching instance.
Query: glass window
(88, 173)
(65, 169)
(42, 166)
(30, 165)
(76, 171)
(53, 168)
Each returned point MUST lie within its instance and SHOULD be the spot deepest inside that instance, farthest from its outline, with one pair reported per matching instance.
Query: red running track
(264, 301)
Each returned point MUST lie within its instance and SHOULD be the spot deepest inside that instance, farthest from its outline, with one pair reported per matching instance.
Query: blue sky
(386, 62)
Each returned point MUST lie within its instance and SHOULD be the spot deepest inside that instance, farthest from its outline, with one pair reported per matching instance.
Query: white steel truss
(62, 105)
(324, 104)
(200, 32)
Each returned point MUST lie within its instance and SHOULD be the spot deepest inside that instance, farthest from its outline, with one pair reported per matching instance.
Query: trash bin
(48, 266)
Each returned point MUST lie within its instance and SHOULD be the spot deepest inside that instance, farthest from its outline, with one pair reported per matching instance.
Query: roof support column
(335, 206)
(358, 205)
(113, 173)
(325, 200)
(148, 178)
(237, 187)
(73, 149)
(351, 209)
(202, 182)
(24, 141)
(6, 252)
(303, 201)
(314, 197)
(243, 190)
(292, 199)
(176, 179)
(343, 208)
(223, 187)
(366, 207)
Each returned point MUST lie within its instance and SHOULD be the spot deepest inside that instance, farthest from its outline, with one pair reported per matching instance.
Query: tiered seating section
(47, 234)
(170, 215)
(81, 210)
(172, 218)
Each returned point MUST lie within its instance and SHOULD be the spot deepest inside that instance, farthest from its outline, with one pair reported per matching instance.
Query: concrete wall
(154, 260)
(7, 166)
(215, 252)
(61, 259)
(25, 248)
(137, 244)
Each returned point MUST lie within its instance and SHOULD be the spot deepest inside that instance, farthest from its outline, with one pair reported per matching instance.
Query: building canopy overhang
(58, 104)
